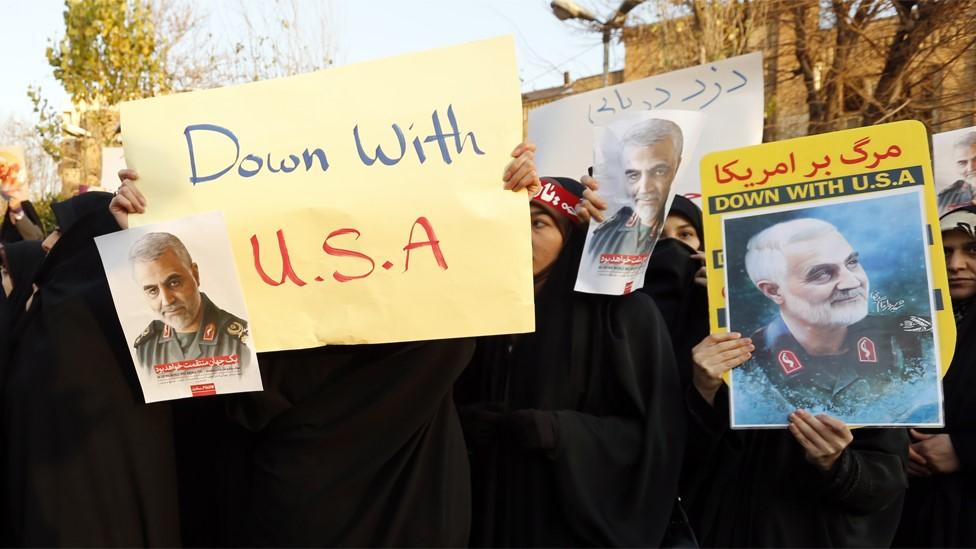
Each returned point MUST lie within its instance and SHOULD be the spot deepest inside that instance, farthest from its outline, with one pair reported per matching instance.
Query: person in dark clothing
(939, 508)
(356, 446)
(576, 431)
(817, 485)
(675, 278)
(18, 263)
(85, 461)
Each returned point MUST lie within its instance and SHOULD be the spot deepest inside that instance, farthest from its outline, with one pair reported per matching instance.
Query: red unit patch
(210, 332)
(866, 351)
(789, 362)
(167, 331)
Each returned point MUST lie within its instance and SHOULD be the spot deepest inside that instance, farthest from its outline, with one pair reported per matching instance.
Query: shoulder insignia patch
(143, 336)
(235, 328)
(866, 351)
(789, 362)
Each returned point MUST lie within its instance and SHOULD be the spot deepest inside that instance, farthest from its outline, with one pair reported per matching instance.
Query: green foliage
(109, 52)
(48, 123)
(44, 211)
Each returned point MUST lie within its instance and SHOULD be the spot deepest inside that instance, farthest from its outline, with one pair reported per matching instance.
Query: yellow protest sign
(364, 203)
(826, 251)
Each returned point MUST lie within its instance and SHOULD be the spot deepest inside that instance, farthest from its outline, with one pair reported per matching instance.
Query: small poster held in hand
(635, 160)
(955, 168)
(13, 171)
(180, 304)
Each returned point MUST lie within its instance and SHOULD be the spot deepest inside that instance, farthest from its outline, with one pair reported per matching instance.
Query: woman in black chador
(940, 508)
(576, 431)
(85, 461)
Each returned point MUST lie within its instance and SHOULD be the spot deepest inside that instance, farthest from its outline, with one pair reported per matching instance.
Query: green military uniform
(880, 357)
(220, 334)
(624, 234)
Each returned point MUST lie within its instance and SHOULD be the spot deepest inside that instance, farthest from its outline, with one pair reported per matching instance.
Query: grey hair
(967, 140)
(653, 131)
(764, 252)
(152, 246)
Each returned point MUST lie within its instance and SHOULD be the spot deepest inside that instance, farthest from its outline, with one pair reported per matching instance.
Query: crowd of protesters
(607, 426)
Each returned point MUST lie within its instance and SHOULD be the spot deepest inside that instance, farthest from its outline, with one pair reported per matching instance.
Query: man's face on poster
(965, 160)
(649, 171)
(172, 289)
(825, 282)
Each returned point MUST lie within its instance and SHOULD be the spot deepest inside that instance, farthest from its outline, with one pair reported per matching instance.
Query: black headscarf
(576, 431)
(70, 212)
(690, 211)
(21, 259)
(670, 281)
(9, 232)
(87, 462)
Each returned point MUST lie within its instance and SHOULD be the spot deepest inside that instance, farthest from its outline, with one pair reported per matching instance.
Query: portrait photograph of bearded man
(647, 161)
(181, 307)
(840, 311)
(188, 325)
(954, 157)
(637, 160)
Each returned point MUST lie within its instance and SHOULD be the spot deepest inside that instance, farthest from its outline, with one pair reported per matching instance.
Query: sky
(363, 30)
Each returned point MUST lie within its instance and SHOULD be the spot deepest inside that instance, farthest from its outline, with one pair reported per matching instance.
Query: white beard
(827, 314)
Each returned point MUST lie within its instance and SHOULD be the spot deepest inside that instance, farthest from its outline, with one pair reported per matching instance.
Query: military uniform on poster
(881, 355)
(220, 334)
(623, 234)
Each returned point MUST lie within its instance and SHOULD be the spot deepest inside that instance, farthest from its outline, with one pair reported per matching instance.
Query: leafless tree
(829, 64)
(885, 60)
(245, 41)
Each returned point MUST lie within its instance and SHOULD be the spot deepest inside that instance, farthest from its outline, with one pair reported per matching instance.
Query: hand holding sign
(715, 355)
(822, 437)
(591, 206)
(128, 199)
(521, 173)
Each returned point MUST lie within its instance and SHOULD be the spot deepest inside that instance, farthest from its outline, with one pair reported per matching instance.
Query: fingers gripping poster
(825, 250)
(364, 203)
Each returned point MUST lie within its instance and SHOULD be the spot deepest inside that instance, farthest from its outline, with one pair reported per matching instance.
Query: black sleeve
(964, 445)
(870, 474)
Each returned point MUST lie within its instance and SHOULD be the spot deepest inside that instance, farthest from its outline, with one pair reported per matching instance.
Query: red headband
(557, 198)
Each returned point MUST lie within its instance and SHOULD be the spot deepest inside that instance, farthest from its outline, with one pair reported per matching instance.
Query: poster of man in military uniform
(186, 344)
(954, 159)
(636, 161)
(839, 311)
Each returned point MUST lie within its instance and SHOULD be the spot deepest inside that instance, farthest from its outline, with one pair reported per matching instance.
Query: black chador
(86, 461)
(575, 431)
